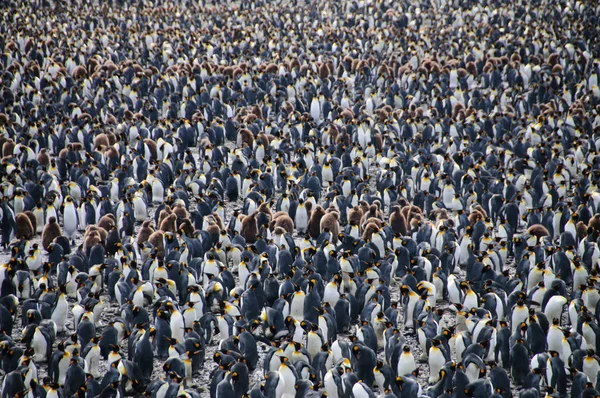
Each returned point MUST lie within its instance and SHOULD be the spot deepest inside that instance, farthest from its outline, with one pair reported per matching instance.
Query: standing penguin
(7, 223)
(86, 330)
(38, 212)
(302, 216)
(437, 359)
(591, 365)
(366, 361)
(60, 309)
(75, 377)
(409, 299)
(406, 362)
(140, 208)
(41, 344)
(225, 388)
(158, 191)
(288, 376)
(13, 385)
(91, 354)
(499, 379)
(144, 355)
(70, 219)
(519, 361)
(57, 368)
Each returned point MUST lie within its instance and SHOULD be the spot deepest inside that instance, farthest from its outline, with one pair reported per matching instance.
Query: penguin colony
(289, 199)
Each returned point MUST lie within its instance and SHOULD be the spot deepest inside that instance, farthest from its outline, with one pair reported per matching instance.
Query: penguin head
(482, 372)
(448, 332)
(399, 382)
(590, 352)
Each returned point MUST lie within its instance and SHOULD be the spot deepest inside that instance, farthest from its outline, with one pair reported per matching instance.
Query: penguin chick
(582, 229)
(245, 137)
(101, 141)
(314, 224)
(538, 230)
(330, 222)
(157, 240)
(475, 216)
(50, 232)
(43, 158)
(369, 230)
(250, 228)
(594, 222)
(90, 240)
(213, 229)
(23, 227)
(373, 212)
(397, 221)
(32, 219)
(169, 224)
(164, 213)
(355, 215)
(282, 220)
(106, 222)
(180, 211)
(144, 232)
(101, 232)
